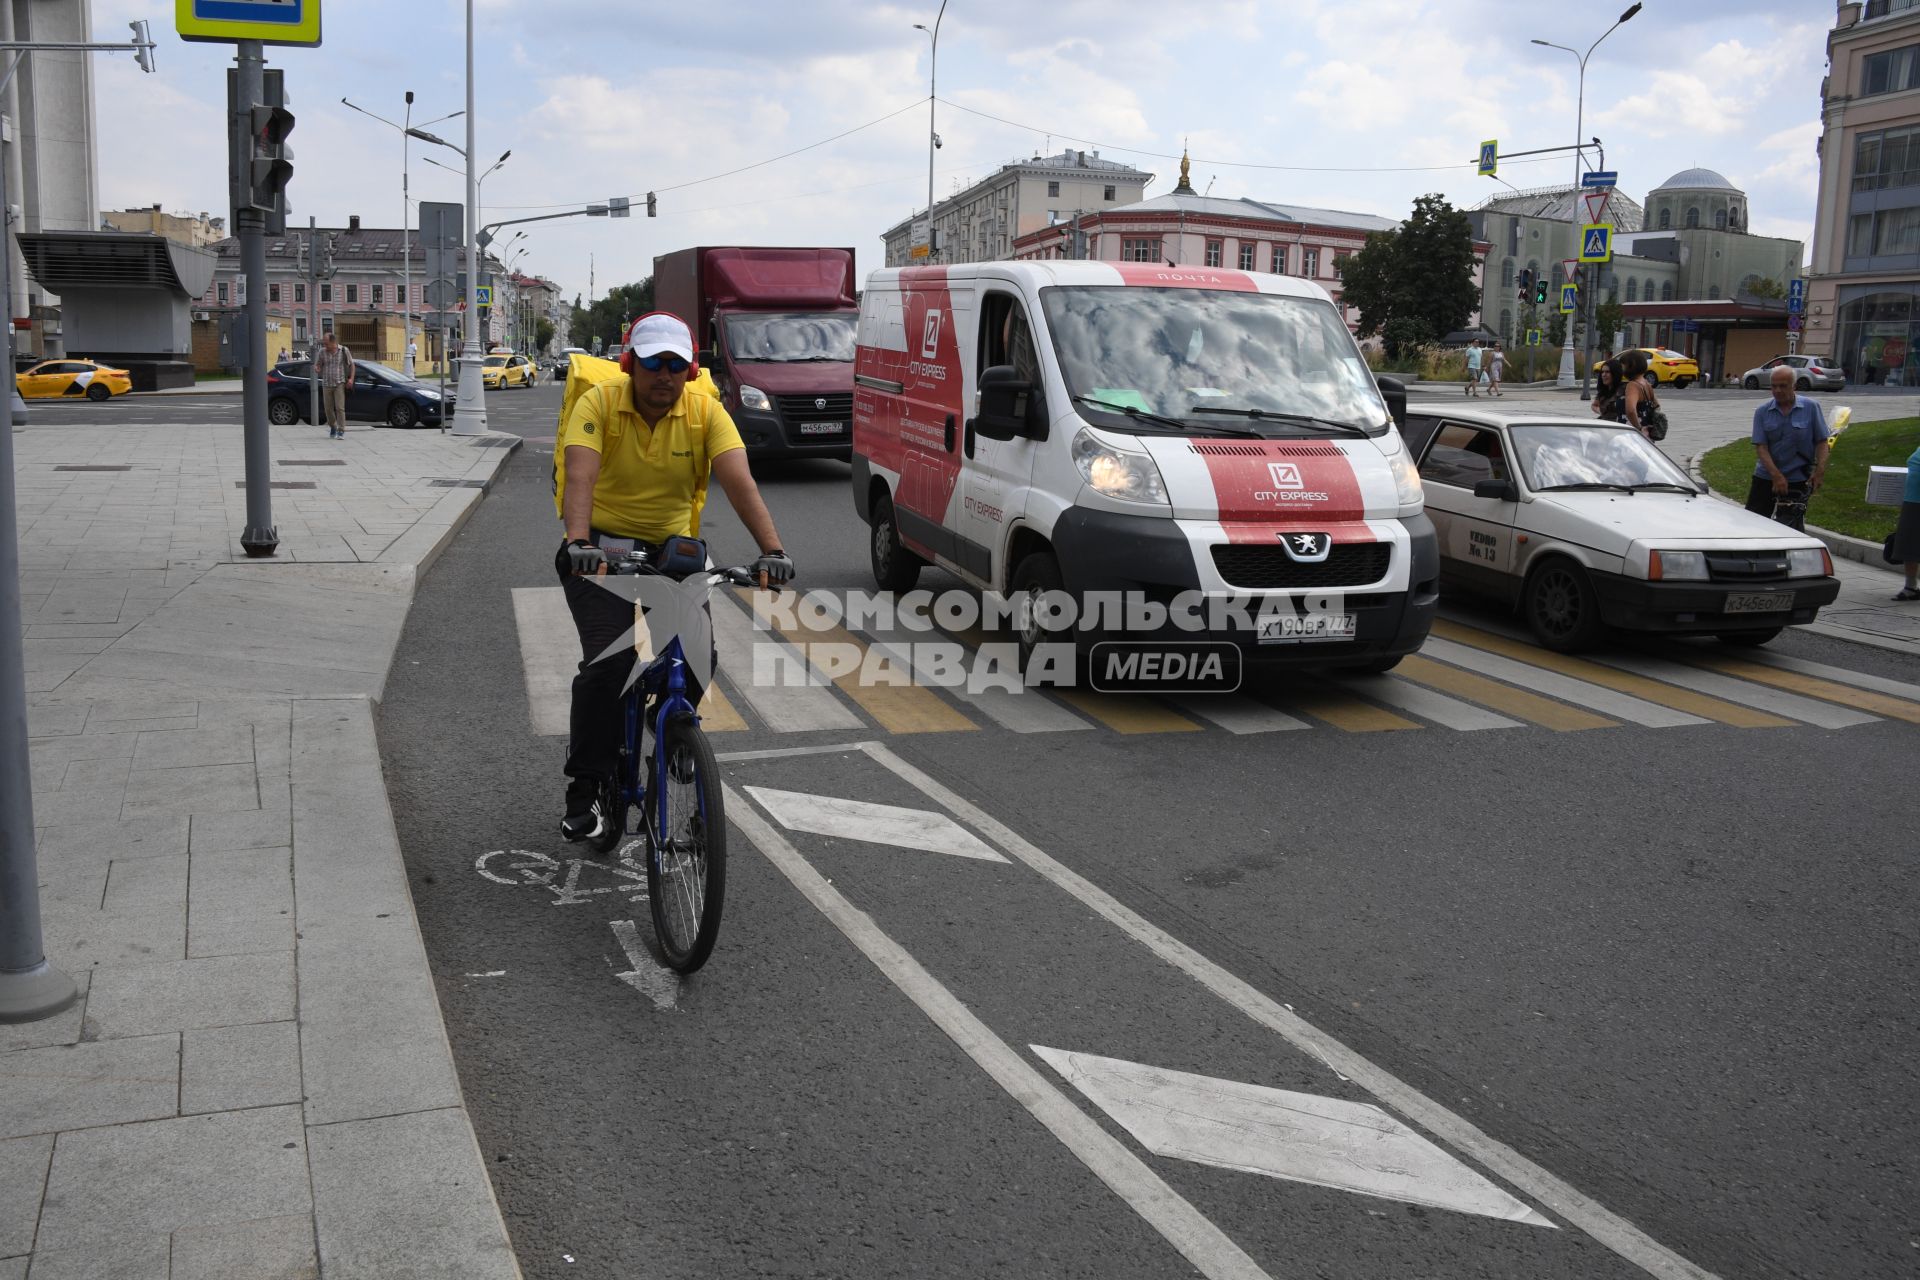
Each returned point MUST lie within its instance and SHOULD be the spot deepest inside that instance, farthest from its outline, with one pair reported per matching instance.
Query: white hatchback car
(1584, 525)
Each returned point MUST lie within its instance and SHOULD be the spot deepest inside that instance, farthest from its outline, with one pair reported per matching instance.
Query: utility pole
(471, 417)
(258, 137)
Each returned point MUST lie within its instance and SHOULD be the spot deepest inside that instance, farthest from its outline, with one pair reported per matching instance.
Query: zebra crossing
(1468, 678)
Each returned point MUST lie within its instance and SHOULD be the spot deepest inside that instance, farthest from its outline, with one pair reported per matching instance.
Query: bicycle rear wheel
(687, 856)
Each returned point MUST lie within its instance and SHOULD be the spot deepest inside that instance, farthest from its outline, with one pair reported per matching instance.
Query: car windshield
(787, 339)
(1554, 455)
(1176, 352)
(495, 362)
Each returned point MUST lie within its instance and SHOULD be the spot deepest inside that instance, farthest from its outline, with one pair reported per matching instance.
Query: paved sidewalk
(256, 1081)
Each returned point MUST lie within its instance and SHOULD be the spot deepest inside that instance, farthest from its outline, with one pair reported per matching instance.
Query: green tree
(543, 332)
(607, 318)
(1414, 284)
(1609, 319)
(1765, 287)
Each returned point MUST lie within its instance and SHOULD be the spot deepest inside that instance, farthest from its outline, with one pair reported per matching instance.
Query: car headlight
(1677, 566)
(1406, 479)
(755, 398)
(1125, 475)
(1809, 562)
(429, 395)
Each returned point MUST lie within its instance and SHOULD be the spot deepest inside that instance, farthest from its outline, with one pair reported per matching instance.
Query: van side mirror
(1500, 490)
(1007, 406)
(1394, 392)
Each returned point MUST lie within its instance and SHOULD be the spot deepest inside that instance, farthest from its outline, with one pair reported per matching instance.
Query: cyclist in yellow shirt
(633, 459)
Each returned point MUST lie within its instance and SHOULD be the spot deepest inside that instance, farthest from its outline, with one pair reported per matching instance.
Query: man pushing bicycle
(631, 467)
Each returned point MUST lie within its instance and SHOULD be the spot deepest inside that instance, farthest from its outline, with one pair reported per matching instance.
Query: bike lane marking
(920, 829)
(1573, 1206)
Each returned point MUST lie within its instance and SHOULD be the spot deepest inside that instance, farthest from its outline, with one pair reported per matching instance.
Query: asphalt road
(1655, 987)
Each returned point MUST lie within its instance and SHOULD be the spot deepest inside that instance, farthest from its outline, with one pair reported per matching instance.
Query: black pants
(1790, 510)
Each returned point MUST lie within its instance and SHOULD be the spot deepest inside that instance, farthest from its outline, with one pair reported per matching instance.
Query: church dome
(1697, 180)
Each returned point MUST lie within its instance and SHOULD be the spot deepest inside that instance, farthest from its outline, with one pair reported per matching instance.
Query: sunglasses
(655, 363)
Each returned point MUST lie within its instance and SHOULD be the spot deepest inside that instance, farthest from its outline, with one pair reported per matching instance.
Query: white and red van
(1169, 434)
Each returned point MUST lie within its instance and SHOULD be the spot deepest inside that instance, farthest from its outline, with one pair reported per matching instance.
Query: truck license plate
(1290, 629)
(822, 428)
(1759, 603)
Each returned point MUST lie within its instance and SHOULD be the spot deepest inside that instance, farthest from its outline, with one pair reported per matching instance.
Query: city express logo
(1287, 485)
(930, 335)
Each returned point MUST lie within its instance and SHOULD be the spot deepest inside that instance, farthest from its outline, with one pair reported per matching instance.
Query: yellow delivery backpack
(584, 373)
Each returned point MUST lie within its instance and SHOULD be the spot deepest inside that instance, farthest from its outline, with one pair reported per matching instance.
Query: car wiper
(1273, 415)
(1664, 484)
(1585, 484)
(1158, 419)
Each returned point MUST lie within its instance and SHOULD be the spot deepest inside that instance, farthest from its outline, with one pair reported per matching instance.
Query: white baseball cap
(657, 332)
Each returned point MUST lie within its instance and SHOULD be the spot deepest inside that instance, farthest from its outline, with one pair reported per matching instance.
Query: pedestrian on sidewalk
(1609, 392)
(1496, 368)
(1636, 397)
(1473, 368)
(1790, 436)
(334, 367)
(1906, 535)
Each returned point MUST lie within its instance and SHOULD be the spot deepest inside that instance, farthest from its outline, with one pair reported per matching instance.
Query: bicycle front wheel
(687, 860)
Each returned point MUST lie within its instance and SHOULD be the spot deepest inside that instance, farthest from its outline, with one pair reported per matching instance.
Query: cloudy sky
(1354, 104)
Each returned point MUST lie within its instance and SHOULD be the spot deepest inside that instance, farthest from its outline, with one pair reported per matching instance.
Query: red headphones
(626, 357)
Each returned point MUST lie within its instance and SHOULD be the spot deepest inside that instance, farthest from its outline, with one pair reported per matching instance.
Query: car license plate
(1289, 629)
(822, 428)
(1775, 603)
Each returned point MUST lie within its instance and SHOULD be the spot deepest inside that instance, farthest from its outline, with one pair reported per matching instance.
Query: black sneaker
(586, 817)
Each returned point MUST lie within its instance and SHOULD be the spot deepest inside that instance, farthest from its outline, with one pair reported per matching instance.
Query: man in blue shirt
(1790, 437)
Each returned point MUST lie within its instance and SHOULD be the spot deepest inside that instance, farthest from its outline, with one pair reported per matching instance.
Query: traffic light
(262, 160)
(1540, 292)
(653, 206)
(142, 45)
(1526, 285)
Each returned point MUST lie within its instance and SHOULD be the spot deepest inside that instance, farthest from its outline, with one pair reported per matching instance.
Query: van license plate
(822, 428)
(1759, 604)
(1289, 629)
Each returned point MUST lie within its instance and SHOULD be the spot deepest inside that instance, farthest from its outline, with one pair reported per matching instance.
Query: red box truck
(775, 327)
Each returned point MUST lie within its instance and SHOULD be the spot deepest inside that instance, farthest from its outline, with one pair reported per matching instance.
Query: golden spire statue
(1186, 166)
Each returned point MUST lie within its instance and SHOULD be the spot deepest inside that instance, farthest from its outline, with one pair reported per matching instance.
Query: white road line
(1839, 675)
(549, 656)
(1746, 693)
(1238, 713)
(1427, 704)
(785, 708)
(644, 974)
(774, 753)
(1189, 1231)
(1552, 683)
(1572, 1205)
(922, 829)
(1302, 1137)
(1027, 711)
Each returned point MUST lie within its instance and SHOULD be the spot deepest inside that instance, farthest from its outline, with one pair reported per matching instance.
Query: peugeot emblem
(820, 402)
(1307, 548)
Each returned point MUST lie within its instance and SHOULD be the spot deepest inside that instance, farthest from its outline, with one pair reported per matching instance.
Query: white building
(981, 222)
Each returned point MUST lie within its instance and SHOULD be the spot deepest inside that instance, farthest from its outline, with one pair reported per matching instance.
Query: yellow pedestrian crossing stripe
(1468, 679)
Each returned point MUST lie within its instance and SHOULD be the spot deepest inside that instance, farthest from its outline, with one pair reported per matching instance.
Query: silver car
(1810, 373)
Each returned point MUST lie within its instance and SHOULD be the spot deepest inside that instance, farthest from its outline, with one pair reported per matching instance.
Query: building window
(1633, 289)
(326, 324)
(353, 295)
(1506, 323)
(1214, 249)
(1890, 71)
(1310, 263)
(1335, 265)
(400, 294)
(1693, 216)
(273, 293)
(1246, 256)
(1860, 235)
(299, 291)
(1666, 291)
(378, 291)
(220, 292)
(1882, 8)
(1506, 273)
(1887, 159)
(1141, 250)
(1720, 220)
(300, 330)
(1896, 231)
(1053, 188)
(326, 293)
(1666, 219)
(1279, 259)
(1108, 194)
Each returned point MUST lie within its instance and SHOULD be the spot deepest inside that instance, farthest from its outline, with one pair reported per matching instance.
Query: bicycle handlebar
(638, 561)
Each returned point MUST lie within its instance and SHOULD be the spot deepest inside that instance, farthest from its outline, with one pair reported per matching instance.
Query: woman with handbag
(1609, 392)
(1642, 408)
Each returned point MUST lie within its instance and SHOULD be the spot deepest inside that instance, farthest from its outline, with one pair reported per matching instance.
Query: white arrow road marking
(549, 656)
(644, 974)
(1329, 1142)
(876, 823)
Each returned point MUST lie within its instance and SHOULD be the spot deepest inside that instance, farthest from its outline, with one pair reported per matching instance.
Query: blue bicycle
(683, 818)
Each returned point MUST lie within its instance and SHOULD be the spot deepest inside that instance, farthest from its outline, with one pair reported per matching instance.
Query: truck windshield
(780, 339)
(1173, 352)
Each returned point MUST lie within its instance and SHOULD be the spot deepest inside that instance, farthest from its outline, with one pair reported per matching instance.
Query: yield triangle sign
(1568, 266)
(1597, 203)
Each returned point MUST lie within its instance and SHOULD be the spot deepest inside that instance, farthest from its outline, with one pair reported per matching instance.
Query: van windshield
(1193, 354)
(782, 339)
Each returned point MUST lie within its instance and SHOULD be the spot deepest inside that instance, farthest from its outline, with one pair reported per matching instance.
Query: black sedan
(378, 394)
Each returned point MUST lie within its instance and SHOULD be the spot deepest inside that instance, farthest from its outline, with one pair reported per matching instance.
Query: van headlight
(1407, 489)
(1125, 475)
(1677, 566)
(1809, 562)
(755, 398)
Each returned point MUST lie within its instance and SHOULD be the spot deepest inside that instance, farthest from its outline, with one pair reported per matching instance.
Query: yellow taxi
(503, 370)
(1666, 365)
(70, 379)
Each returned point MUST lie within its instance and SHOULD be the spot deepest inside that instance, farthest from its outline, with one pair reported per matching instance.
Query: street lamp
(933, 138)
(1566, 380)
(407, 135)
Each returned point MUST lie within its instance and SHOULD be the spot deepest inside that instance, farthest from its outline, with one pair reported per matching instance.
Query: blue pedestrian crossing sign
(1596, 242)
(483, 295)
(1489, 157)
(1569, 298)
(1533, 337)
(294, 22)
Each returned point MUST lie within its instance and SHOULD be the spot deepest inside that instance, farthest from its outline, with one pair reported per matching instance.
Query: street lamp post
(1566, 379)
(933, 138)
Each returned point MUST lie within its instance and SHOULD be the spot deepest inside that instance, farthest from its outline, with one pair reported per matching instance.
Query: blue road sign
(1489, 157)
(1796, 296)
(1596, 242)
(483, 295)
(294, 22)
(1569, 298)
(1600, 178)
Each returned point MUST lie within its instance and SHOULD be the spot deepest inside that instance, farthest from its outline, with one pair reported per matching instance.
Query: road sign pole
(471, 420)
(313, 322)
